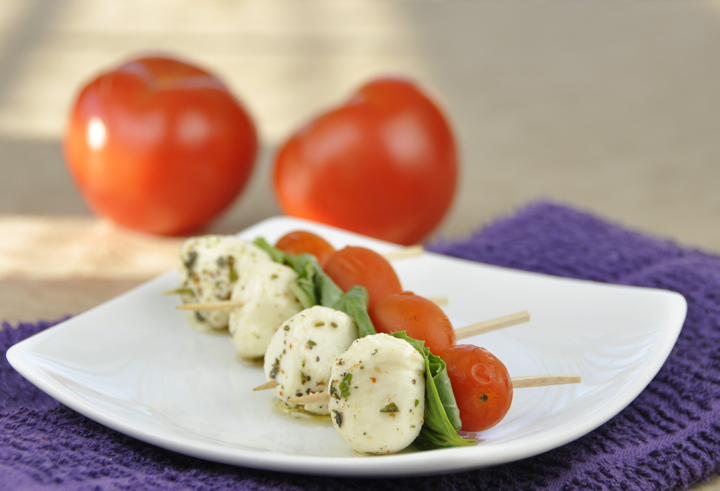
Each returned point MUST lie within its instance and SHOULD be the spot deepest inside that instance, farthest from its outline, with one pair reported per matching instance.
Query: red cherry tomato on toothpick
(159, 145)
(353, 266)
(420, 318)
(481, 384)
(383, 164)
(301, 241)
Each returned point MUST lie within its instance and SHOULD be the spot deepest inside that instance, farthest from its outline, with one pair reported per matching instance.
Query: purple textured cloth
(668, 438)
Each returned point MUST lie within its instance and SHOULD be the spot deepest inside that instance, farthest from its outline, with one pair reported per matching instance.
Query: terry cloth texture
(668, 438)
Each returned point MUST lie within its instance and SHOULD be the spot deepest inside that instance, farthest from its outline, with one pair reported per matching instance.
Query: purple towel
(669, 437)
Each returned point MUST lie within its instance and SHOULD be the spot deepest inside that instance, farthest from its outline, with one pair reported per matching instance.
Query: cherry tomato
(360, 266)
(301, 241)
(481, 384)
(383, 164)
(417, 316)
(159, 145)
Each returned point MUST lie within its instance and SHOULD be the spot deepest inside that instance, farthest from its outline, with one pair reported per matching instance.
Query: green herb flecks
(390, 408)
(233, 271)
(190, 259)
(345, 386)
(275, 368)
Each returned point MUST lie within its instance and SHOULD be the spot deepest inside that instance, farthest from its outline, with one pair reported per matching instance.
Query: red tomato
(159, 145)
(353, 266)
(301, 241)
(384, 164)
(417, 316)
(481, 384)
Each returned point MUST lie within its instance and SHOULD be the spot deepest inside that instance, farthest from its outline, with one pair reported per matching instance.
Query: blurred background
(610, 107)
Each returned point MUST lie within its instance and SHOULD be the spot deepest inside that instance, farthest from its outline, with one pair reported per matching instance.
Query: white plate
(135, 365)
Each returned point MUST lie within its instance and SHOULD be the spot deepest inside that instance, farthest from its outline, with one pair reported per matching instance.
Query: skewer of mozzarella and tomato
(297, 360)
(306, 378)
(264, 288)
(299, 357)
(382, 398)
(268, 292)
(228, 282)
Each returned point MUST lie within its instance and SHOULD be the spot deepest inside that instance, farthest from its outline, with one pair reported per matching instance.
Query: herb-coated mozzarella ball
(267, 302)
(303, 350)
(377, 394)
(209, 268)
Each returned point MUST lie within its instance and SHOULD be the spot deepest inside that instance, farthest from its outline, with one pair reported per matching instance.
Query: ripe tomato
(360, 266)
(383, 164)
(301, 241)
(159, 145)
(417, 316)
(481, 384)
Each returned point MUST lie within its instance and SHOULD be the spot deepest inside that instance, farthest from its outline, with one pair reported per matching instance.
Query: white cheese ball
(267, 303)
(377, 394)
(209, 268)
(303, 350)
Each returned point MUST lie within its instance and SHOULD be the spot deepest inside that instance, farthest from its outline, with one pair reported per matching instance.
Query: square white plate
(135, 365)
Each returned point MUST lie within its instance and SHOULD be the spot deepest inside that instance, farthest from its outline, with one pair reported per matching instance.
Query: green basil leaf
(314, 287)
(275, 254)
(354, 303)
(442, 416)
(304, 265)
(328, 292)
(304, 285)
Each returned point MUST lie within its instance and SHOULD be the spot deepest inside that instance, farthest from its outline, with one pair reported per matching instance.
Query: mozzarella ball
(267, 302)
(303, 350)
(209, 268)
(377, 394)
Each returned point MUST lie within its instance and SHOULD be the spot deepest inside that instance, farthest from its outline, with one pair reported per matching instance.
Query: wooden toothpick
(314, 398)
(223, 305)
(270, 384)
(439, 300)
(545, 380)
(517, 383)
(492, 325)
(404, 253)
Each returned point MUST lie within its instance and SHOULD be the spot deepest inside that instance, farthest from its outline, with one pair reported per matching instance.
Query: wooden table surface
(612, 107)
